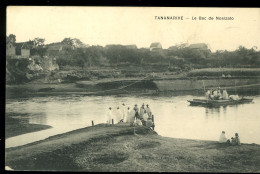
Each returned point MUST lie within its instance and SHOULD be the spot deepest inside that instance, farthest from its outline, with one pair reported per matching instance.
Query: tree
(11, 38)
(38, 42)
(37, 46)
(73, 43)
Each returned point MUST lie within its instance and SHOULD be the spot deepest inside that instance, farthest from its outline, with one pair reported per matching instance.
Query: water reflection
(173, 115)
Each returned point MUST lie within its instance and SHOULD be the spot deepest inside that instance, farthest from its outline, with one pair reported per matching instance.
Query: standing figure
(118, 115)
(237, 140)
(145, 118)
(127, 115)
(131, 117)
(109, 116)
(149, 111)
(142, 111)
(136, 111)
(222, 138)
(123, 112)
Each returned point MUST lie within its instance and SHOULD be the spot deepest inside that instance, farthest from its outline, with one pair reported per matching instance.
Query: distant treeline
(72, 52)
(117, 55)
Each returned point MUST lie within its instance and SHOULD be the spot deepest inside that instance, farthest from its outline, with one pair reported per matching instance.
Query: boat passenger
(207, 95)
(225, 94)
(219, 96)
(215, 94)
(237, 140)
(222, 138)
(211, 96)
(234, 97)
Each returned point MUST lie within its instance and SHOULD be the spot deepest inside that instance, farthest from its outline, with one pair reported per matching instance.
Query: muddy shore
(121, 148)
(18, 124)
(12, 130)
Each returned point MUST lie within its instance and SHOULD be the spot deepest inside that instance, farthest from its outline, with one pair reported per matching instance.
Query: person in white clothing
(142, 111)
(131, 117)
(215, 94)
(109, 116)
(123, 112)
(225, 94)
(222, 138)
(138, 122)
(207, 94)
(127, 115)
(148, 110)
(145, 118)
(118, 115)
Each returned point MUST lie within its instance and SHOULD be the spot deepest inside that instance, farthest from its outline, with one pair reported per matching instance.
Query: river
(174, 117)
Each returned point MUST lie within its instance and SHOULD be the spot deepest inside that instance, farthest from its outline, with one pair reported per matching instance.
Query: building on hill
(10, 49)
(22, 49)
(155, 46)
(199, 46)
(17, 50)
(173, 48)
(54, 50)
(131, 46)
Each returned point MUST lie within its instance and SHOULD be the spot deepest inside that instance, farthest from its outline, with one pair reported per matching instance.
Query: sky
(137, 25)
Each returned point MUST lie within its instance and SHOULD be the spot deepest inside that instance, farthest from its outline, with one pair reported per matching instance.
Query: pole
(112, 121)
(235, 87)
(92, 123)
(153, 121)
(203, 85)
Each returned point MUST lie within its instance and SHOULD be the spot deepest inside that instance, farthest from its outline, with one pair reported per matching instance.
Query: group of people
(134, 116)
(234, 140)
(217, 94)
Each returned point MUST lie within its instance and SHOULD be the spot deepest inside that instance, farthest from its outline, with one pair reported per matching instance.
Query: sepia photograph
(132, 89)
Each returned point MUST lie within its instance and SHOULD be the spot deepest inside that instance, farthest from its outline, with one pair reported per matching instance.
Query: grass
(117, 149)
(225, 71)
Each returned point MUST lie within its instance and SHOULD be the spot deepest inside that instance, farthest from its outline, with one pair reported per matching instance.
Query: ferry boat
(204, 102)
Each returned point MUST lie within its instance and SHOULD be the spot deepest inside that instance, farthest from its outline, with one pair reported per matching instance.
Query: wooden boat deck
(205, 102)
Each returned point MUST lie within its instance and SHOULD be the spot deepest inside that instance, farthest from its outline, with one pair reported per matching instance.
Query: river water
(174, 117)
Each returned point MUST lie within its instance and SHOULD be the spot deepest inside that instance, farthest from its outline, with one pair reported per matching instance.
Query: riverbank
(118, 148)
(136, 85)
(18, 124)
(12, 130)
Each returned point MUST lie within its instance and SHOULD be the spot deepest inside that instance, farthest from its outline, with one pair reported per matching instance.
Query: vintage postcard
(132, 89)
